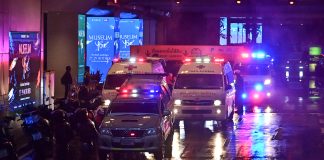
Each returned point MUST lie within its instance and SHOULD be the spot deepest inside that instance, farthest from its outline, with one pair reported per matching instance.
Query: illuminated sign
(131, 33)
(102, 43)
(315, 51)
(24, 69)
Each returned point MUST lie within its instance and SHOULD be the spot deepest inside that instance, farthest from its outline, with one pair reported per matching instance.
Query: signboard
(131, 33)
(315, 51)
(24, 69)
(180, 52)
(81, 47)
(102, 43)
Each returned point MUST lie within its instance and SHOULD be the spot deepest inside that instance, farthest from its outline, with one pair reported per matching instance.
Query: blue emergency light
(258, 87)
(259, 55)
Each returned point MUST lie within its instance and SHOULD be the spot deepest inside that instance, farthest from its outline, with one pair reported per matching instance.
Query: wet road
(294, 130)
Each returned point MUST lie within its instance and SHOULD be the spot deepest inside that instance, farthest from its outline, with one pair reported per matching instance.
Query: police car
(204, 90)
(138, 119)
(122, 69)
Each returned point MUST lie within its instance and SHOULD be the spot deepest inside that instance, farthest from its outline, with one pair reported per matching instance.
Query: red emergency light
(187, 60)
(132, 134)
(219, 60)
(125, 91)
(141, 59)
(245, 55)
(115, 59)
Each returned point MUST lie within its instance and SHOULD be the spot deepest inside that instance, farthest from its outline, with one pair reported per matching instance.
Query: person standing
(239, 87)
(86, 76)
(66, 80)
(170, 81)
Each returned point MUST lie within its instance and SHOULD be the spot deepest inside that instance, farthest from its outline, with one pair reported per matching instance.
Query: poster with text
(102, 44)
(24, 69)
(131, 33)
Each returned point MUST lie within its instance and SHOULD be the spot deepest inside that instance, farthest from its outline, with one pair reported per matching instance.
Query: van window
(135, 107)
(115, 80)
(199, 81)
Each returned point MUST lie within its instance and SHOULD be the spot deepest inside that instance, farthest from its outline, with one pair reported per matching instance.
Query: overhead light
(115, 1)
(178, 1)
(238, 1)
(291, 2)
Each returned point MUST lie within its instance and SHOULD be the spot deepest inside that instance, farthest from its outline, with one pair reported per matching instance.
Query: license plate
(127, 142)
(197, 116)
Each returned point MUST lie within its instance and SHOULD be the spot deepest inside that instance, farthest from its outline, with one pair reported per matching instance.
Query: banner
(102, 44)
(131, 33)
(81, 47)
(180, 52)
(24, 69)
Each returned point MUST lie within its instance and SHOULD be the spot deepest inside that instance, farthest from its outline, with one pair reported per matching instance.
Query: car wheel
(159, 153)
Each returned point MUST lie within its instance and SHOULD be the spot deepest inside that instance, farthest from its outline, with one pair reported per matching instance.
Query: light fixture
(115, 1)
(238, 1)
(178, 1)
(292, 2)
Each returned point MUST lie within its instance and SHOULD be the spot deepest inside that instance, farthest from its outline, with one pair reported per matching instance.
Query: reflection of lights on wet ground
(300, 99)
(268, 118)
(176, 150)
(258, 136)
(286, 99)
(182, 130)
(256, 109)
(268, 109)
(218, 146)
(209, 125)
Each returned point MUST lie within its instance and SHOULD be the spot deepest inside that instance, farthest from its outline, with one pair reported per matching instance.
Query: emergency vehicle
(256, 68)
(139, 119)
(204, 90)
(123, 69)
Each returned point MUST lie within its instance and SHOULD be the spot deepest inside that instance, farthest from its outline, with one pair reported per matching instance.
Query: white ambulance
(204, 90)
(121, 70)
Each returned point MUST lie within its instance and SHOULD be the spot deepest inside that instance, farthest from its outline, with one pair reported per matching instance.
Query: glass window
(254, 69)
(115, 80)
(138, 107)
(199, 81)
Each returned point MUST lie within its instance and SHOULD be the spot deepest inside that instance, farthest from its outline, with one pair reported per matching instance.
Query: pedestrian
(239, 87)
(86, 76)
(63, 134)
(87, 132)
(66, 80)
(170, 81)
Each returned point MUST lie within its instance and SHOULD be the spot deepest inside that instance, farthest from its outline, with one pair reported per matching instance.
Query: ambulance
(121, 70)
(256, 68)
(204, 90)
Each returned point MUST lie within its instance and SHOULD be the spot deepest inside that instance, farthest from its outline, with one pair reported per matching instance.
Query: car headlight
(177, 102)
(106, 131)
(107, 102)
(151, 131)
(217, 102)
(267, 82)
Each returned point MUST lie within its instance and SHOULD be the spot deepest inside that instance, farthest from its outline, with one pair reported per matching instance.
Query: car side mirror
(228, 87)
(166, 113)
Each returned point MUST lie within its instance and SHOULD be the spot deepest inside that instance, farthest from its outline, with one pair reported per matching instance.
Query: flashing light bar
(141, 60)
(244, 95)
(115, 59)
(219, 60)
(206, 60)
(258, 87)
(245, 55)
(187, 60)
(198, 60)
(125, 91)
(132, 60)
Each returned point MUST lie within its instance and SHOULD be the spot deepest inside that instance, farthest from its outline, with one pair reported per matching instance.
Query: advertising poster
(24, 68)
(131, 33)
(102, 44)
(81, 47)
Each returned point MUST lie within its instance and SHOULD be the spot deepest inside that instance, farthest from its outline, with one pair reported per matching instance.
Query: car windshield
(115, 80)
(138, 107)
(199, 81)
(254, 69)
